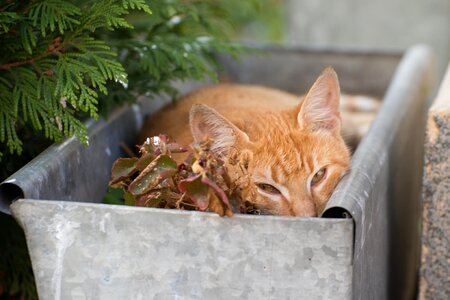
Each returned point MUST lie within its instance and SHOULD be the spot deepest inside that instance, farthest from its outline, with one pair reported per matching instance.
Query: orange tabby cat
(296, 154)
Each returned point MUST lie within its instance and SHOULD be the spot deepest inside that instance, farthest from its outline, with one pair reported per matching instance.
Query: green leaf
(162, 167)
(114, 196)
(7, 20)
(52, 14)
(122, 169)
(28, 38)
(129, 199)
(144, 161)
(136, 4)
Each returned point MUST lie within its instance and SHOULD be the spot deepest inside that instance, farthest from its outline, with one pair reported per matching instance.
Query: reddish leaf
(160, 168)
(189, 160)
(201, 182)
(218, 206)
(176, 148)
(206, 194)
(195, 189)
(151, 199)
(217, 189)
(122, 169)
(147, 147)
(144, 161)
(163, 138)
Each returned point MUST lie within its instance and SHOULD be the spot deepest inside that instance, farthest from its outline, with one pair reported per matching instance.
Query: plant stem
(50, 50)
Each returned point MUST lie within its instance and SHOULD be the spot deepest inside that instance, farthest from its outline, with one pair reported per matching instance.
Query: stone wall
(435, 266)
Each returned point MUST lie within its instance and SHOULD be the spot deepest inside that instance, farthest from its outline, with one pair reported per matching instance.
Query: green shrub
(62, 61)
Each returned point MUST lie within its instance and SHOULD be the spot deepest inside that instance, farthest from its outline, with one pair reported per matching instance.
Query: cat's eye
(319, 176)
(267, 188)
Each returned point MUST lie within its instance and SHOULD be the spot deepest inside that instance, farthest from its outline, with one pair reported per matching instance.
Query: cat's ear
(320, 108)
(207, 122)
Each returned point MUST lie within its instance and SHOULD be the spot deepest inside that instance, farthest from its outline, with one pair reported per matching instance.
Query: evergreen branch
(7, 4)
(53, 48)
(7, 19)
(83, 74)
(54, 13)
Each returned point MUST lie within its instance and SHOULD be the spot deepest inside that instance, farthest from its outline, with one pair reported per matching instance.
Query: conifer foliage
(64, 60)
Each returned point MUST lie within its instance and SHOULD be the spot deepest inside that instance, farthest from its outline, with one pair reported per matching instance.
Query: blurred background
(372, 25)
(346, 24)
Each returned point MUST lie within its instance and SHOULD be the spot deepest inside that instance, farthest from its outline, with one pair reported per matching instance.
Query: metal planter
(363, 248)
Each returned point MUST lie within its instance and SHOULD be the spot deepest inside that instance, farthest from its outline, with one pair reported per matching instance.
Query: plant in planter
(201, 182)
(63, 61)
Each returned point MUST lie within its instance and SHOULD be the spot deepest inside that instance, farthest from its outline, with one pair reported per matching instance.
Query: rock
(435, 262)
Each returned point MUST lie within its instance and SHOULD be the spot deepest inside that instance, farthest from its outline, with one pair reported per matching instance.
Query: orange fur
(285, 140)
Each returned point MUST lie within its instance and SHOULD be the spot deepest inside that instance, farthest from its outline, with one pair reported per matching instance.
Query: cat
(357, 113)
(294, 147)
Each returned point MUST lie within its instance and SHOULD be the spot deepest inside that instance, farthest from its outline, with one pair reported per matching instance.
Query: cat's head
(294, 158)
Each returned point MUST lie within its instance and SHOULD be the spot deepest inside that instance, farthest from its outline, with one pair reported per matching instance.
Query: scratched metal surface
(61, 173)
(94, 251)
(382, 189)
(68, 171)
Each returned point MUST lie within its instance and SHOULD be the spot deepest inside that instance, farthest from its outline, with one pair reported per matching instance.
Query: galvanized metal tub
(81, 249)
